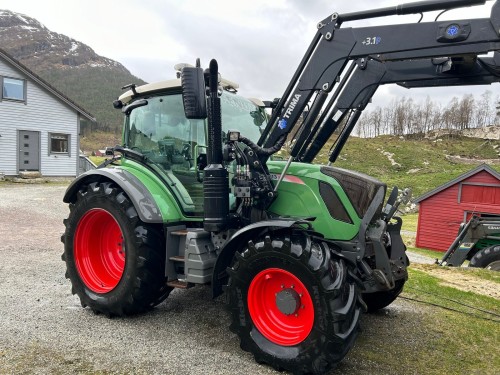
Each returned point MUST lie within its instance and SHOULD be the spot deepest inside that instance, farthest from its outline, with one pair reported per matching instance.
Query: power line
(450, 309)
(454, 301)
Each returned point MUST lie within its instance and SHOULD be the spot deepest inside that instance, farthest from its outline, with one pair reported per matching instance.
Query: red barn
(444, 208)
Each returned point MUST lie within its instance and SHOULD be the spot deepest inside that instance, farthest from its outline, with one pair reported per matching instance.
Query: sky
(257, 43)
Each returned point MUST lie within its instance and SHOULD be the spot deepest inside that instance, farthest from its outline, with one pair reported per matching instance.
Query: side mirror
(194, 93)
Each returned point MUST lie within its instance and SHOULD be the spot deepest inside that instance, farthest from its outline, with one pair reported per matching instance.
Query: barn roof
(34, 77)
(479, 168)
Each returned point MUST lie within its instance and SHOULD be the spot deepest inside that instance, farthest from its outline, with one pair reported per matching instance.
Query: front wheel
(293, 303)
(378, 300)
(115, 262)
(488, 258)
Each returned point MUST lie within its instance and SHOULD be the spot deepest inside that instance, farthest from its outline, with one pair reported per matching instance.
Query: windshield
(176, 145)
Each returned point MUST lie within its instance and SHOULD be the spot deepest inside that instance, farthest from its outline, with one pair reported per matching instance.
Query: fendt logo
(292, 105)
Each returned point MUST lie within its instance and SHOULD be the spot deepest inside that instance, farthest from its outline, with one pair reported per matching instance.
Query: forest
(404, 116)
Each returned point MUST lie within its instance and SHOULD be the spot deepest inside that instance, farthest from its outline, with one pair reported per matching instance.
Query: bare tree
(483, 114)
(376, 121)
(463, 115)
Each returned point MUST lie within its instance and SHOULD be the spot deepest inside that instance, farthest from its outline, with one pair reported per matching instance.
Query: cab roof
(127, 96)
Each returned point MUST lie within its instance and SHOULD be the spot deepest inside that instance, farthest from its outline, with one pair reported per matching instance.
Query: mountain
(72, 67)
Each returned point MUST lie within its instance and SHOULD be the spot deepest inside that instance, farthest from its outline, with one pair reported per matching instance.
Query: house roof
(34, 77)
(479, 168)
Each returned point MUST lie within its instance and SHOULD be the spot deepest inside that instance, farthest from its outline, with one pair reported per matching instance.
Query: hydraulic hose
(260, 151)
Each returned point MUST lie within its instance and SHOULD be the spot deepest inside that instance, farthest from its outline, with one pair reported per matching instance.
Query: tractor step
(177, 258)
(179, 284)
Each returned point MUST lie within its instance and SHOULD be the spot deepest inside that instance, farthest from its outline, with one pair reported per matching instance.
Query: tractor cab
(158, 129)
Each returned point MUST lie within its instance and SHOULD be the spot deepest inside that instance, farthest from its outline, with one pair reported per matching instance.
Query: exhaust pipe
(216, 180)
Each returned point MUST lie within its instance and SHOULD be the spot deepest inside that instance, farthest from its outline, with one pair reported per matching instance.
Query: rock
(29, 180)
(30, 174)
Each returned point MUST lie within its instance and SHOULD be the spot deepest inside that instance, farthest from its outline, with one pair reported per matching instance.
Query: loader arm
(370, 75)
(333, 48)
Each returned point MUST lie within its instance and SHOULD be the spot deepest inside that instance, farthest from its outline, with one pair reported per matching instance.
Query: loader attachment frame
(333, 50)
(368, 76)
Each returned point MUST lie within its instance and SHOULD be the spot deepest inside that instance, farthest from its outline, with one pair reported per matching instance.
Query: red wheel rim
(286, 329)
(99, 250)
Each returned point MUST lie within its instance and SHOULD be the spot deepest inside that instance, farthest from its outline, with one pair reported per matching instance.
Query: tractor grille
(333, 203)
(359, 187)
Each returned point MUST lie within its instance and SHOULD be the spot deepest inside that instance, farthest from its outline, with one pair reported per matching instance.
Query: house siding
(43, 113)
(440, 215)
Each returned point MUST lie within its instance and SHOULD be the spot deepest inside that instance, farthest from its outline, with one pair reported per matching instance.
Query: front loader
(478, 241)
(194, 196)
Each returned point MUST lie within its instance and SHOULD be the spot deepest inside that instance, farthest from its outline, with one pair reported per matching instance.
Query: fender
(235, 242)
(143, 201)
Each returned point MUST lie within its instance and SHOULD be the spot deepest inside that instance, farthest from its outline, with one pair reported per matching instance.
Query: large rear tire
(115, 262)
(488, 258)
(293, 303)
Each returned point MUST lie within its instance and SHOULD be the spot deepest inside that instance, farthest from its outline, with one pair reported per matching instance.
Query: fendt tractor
(196, 194)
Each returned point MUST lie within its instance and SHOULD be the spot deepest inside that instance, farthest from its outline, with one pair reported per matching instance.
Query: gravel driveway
(43, 329)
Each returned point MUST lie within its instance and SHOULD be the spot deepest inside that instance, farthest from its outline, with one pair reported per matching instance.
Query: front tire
(115, 262)
(488, 258)
(378, 300)
(293, 303)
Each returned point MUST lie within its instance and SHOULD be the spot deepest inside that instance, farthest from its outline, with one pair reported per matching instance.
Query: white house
(39, 126)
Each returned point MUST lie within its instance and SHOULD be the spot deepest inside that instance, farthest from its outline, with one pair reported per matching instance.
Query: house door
(29, 150)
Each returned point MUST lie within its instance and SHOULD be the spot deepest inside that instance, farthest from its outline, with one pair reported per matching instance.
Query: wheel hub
(99, 250)
(288, 301)
(280, 306)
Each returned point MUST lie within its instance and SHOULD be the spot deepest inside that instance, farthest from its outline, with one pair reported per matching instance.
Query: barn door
(29, 150)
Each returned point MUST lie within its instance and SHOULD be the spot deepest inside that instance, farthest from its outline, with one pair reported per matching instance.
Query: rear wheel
(293, 304)
(488, 258)
(115, 262)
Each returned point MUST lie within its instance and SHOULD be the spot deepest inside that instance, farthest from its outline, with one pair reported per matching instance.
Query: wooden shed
(443, 209)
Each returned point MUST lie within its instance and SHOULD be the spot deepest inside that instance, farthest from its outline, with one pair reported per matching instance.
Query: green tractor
(478, 241)
(196, 195)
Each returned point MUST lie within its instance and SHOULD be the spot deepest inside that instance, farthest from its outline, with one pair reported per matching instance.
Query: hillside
(419, 164)
(72, 67)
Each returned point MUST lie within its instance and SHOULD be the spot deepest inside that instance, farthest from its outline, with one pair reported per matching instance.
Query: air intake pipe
(216, 180)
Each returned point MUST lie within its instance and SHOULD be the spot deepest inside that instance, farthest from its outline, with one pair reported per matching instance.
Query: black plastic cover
(359, 187)
(333, 203)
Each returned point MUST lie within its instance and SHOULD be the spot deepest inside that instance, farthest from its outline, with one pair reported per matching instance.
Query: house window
(59, 143)
(14, 89)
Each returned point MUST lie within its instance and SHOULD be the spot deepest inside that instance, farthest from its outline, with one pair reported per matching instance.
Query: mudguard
(143, 201)
(235, 242)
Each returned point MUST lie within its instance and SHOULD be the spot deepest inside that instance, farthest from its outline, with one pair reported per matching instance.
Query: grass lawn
(410, 222)
(467, 339)
(429, 253)
(426, 331)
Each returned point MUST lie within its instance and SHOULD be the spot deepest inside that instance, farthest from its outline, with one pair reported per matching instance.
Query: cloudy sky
(258, 43)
